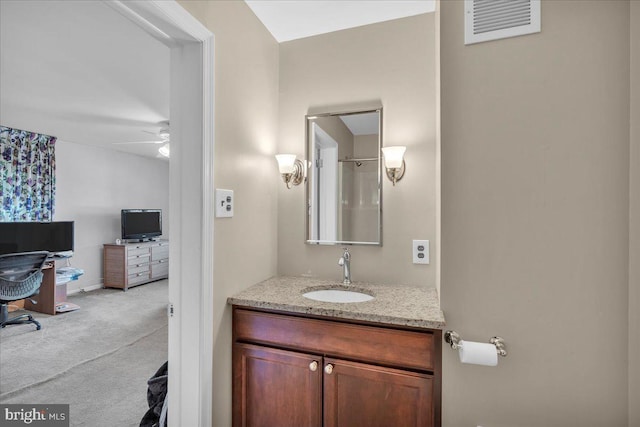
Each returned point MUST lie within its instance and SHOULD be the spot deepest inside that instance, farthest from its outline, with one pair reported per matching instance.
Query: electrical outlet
(224, 203)
(421, 252)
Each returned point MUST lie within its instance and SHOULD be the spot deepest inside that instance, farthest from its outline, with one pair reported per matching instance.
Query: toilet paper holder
(453, 338)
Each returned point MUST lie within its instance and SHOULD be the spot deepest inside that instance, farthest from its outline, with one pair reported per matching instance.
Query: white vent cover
(498, 19)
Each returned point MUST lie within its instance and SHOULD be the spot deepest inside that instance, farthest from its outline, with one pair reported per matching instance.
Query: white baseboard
(85, 289)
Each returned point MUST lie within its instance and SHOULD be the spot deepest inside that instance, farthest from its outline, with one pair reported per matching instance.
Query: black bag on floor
(156, 416)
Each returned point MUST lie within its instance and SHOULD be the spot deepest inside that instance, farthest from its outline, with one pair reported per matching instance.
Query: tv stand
(135, 263)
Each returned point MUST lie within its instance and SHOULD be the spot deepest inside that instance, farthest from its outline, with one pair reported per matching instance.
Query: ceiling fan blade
(139, 142)
(163, 133)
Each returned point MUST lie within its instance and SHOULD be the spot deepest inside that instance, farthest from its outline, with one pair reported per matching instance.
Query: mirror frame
(307, 193)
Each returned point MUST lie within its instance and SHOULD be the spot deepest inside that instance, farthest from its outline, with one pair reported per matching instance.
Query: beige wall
(339, 132)
(535, 194)
(535, 214)
(392, 63)
(246, 117)
(634, 218)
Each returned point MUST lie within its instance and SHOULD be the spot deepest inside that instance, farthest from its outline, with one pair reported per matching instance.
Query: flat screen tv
(141, 224)
(55, 237)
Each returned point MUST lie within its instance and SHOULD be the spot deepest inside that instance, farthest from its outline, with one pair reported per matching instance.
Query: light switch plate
(421, 252)
(224, 203)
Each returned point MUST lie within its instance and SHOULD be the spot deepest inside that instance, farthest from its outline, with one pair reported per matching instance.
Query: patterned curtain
(27, 176)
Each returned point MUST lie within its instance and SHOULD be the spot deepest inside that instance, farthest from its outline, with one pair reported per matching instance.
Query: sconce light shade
(393, 156)
(291, 169)
(286, 162)
(394, 162)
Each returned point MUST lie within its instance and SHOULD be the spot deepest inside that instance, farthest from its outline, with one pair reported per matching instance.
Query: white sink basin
(337, 295)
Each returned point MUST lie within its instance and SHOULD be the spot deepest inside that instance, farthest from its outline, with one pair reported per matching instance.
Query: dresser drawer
(137, 250)
(137, 268)
(139, 258)
(159, 252)
(159, 269)
(387, 346)
(138, 278)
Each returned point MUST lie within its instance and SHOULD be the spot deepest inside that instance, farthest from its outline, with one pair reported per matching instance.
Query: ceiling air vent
(498, 19)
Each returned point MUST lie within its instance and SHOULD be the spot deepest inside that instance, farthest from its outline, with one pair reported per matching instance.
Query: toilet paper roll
(478, 353)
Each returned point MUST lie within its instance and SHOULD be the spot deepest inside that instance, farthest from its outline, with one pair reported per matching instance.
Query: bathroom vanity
(301, 362)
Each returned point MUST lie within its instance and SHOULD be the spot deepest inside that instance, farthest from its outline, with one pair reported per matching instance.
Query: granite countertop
(392, 304)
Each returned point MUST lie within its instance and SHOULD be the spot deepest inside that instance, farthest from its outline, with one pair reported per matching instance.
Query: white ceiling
(80, 71)
(362, 124)
(290, 20)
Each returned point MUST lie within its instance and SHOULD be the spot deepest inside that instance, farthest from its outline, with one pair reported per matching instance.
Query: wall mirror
(343, 191)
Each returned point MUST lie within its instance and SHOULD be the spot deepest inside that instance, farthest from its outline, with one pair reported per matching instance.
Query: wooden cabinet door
(362, 395)
(276, 388)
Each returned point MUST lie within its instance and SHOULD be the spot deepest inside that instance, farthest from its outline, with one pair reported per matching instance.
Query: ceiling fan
(163, 137)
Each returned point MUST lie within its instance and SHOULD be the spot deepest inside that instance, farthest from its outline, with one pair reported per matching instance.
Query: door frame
(325, 223)
(191, 204)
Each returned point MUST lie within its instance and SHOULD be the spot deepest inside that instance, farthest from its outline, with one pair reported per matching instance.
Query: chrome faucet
(345, 262)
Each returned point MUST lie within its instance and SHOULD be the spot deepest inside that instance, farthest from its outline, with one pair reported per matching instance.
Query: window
(27, 175)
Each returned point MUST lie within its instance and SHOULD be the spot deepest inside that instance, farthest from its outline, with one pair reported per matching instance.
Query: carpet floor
(97, 359)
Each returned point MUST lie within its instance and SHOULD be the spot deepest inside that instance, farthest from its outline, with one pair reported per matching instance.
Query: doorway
(191, 205)
(326, 224)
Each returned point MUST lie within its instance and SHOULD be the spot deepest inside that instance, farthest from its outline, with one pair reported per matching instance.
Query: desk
(51, 293)
(47, 298)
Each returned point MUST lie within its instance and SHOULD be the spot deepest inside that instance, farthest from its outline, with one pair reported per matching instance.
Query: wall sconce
(394, 162)
(291, 169)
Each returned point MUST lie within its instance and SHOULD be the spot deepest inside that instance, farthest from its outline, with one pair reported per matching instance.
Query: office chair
(20, 277)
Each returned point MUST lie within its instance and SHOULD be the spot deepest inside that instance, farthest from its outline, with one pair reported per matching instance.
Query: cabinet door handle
(313, 366)
(329, 368)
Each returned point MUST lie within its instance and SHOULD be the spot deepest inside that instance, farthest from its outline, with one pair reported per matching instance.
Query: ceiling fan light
(164, 134)
(164, 150)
